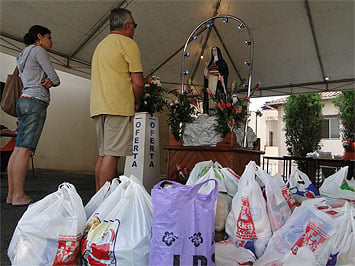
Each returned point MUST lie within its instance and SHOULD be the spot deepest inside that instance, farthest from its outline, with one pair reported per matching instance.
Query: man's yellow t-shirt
(111, 85)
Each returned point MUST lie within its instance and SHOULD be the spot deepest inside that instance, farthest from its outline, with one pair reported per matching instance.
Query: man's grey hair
(119, 17)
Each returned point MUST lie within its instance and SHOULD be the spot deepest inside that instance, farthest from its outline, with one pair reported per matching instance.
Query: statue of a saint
(215, 79)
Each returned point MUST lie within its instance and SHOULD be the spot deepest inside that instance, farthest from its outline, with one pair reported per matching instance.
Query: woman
(37, 76)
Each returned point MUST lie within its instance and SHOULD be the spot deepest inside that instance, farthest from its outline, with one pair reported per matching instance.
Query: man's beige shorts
(114, 134)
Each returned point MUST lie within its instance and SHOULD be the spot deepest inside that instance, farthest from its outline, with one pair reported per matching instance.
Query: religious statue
(215, 79)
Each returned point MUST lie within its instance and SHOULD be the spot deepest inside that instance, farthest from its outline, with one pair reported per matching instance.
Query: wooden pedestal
(227, 152)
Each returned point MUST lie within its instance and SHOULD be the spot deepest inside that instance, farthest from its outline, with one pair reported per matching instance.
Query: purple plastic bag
(183, 225)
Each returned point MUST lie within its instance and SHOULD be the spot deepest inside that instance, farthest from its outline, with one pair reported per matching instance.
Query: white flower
(234, 99)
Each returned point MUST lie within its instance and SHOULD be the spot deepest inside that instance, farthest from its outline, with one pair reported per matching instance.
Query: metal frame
(251, 55)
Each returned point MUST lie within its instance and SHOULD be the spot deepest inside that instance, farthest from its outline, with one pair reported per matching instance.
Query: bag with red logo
(247, 223)
(307, 227)
(119, 231)
(301, 186)
(50, 230)
(279, 199)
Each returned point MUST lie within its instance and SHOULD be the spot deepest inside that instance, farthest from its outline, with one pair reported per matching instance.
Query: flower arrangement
(181, 111)
(231, 111)
(152, 99)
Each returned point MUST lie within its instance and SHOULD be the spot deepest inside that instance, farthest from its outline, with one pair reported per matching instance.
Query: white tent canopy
(297, 44)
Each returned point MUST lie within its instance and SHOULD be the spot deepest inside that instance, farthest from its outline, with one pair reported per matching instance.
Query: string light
(326, 78)
(186, 72)
(208, 25)
(187, 54)
(247, 63)
(225, 20)
(240, 26)
(201, 57)
(194, 38)
(248, 42)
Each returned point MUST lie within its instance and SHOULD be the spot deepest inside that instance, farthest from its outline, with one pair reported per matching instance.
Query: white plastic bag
(228, 254)
(226, 177)
(203, 171)
(100, 196)
(304, 256)
(119, 232)
(247, 223)
(307, 227)
(331, 185)
(279, 199)
(301, 186)
(50, 230)
(347, 245)
(231, 180)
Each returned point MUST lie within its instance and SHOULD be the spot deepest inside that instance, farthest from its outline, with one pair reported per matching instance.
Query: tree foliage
(345, 102)
(303, 123)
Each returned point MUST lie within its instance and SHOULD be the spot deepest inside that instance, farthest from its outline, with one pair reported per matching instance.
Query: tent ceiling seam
(315, 42)
(96, 28)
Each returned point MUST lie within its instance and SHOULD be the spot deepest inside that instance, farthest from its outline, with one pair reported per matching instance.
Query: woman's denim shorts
(31, 114)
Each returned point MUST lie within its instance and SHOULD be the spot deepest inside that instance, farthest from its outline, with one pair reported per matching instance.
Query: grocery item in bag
(119, 232)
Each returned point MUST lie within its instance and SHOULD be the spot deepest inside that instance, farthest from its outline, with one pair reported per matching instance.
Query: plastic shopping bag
(279, 199)
(229, 254)
(224, 201)
(331, 186)
(100, 196)
(50, 230)
(247, 223)
(119, 232)
(307, 227)
(301, 187)
(347, 244)
(183, 225)
(231, 180)
(207, 170)
(341, 212)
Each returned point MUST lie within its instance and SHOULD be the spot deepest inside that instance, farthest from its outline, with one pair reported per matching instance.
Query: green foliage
(152, 99)
(231, 111)
(345, 102)
(180, 113)
(303, 123)
(231, 114)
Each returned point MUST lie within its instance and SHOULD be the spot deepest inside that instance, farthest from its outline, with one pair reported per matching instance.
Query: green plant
(345, 102)
(180, 112)
(303, 123)
(153, 96)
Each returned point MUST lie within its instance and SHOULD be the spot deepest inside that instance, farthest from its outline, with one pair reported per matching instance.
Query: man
(116, 89)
